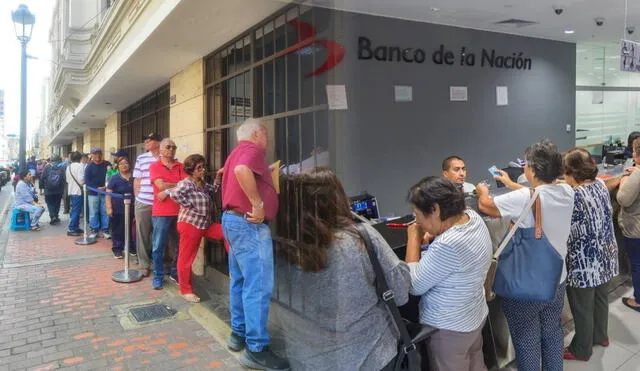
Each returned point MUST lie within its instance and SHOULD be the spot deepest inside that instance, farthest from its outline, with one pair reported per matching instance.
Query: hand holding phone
(493, 170)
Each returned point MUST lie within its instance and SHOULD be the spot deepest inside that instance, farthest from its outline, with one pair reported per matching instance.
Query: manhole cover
(152, 312)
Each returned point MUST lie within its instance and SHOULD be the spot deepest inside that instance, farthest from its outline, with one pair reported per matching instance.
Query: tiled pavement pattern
(59, 310)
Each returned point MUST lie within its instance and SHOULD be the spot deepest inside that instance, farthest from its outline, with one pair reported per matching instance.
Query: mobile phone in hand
(493, 170)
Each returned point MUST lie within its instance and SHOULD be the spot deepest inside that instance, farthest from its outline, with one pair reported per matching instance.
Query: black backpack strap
(387, 296)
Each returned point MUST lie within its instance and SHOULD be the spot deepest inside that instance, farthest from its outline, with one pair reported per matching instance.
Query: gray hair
(248, 127)
(166, 140)
(545, 160)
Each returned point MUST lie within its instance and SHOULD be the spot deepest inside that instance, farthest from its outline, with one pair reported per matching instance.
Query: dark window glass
(281, 40)
(268, 88)
(293, 77)
(268, 39)
(257, 47)
(257, 87)
(280, 84)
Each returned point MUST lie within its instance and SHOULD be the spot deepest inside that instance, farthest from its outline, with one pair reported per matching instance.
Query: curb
(4, 229)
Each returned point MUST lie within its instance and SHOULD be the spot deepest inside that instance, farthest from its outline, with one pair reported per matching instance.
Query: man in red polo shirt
(250, 200)
(164, 174)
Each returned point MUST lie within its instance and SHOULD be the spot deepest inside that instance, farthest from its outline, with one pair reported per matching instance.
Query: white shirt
(468, 187)
(450, 277)
(557, 209)
(77, 169)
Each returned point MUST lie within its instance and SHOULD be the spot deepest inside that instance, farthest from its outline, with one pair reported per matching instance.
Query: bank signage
(464, 57)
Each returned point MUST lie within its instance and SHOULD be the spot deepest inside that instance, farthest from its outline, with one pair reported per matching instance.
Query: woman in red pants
(195, 198)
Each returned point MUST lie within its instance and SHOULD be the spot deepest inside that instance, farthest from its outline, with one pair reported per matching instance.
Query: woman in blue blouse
(592, 255)
(121, 183)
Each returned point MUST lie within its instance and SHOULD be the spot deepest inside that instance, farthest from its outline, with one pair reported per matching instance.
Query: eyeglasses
(199, 167)
(173, 148)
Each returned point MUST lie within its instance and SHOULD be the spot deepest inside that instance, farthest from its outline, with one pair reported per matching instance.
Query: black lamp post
(23, 21)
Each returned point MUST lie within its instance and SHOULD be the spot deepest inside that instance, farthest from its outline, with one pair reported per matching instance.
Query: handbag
(410, 334)
(528, 267)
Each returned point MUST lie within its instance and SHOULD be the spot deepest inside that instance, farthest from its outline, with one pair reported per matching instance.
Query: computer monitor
(365, 205)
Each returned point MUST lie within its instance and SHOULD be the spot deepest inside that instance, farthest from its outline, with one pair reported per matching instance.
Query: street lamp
(23, 21)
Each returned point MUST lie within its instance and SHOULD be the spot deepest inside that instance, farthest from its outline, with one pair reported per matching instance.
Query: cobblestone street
(59, 309)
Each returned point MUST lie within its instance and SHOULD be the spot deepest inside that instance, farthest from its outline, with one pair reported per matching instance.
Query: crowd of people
(345, 326)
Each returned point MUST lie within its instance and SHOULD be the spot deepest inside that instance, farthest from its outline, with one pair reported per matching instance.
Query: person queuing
(143, 190)
(449, 274)
(65, 196)
(165, 174)
(74, 174)
(53, 178)
(592, 256)
(343, 326)
(535, 325)
(26, 200)
(39, 171)
(94, 176)
(250, 200)
(195, 198)
(454, 169)
(629, 221)
(121, 183)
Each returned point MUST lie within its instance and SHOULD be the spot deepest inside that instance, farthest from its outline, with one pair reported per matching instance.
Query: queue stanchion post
(85, 240)
(127, 275)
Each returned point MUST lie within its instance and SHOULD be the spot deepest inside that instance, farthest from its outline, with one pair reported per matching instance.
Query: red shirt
(158, 170)
(254, 157)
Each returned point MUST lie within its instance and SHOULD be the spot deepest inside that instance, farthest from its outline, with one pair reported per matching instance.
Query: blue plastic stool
(26, 220)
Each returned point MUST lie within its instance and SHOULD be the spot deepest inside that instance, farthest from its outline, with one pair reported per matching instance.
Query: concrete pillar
(187, 123)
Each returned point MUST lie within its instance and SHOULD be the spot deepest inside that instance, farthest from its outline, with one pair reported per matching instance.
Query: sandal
(35, 229)
(191, 298)
(626, 301)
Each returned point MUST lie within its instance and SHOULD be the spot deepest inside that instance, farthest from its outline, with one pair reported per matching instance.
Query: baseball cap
(153, 136)
(119, 153)
(96, 150)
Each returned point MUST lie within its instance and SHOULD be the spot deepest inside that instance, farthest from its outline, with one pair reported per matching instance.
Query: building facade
(365, 95)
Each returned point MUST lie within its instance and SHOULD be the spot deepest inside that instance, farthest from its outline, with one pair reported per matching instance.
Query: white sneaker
(93, 235)
(106, 236)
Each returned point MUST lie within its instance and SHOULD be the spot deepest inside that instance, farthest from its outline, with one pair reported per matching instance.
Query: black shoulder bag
(410, 334)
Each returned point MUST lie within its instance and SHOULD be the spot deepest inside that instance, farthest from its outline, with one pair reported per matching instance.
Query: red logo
(307, 37)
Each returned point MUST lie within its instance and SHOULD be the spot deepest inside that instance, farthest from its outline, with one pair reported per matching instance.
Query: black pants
(590, 309)
(53, 204)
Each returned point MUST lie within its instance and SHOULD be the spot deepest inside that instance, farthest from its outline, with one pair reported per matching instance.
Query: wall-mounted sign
(337, 97)
(458, 94)
(502, 96)
(403, 93)
(466, 57)
(630, 56)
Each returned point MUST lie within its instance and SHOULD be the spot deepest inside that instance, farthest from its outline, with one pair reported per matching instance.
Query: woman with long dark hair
(343, 325)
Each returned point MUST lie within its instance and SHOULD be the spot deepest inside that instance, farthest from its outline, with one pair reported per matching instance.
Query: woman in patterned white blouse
(195, 198)
(592, 256)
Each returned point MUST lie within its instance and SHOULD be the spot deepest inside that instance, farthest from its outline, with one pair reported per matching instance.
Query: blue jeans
(34, 212)
(98, 218)
(164, 228)
(632, 245)
(76, 209)
(251, 279)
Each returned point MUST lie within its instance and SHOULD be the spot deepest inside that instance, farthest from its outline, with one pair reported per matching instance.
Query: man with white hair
(165, 174)
(250, 202)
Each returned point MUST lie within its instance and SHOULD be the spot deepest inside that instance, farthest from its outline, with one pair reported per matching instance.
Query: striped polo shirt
(450, 277)
(141, 171)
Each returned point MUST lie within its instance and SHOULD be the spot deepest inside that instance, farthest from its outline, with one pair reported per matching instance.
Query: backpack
(55, 177)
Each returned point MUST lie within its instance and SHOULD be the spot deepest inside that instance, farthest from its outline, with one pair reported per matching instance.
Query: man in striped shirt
(143, 191)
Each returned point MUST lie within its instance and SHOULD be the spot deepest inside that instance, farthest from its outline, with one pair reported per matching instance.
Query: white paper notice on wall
(403, 93)
(502, 96)
(337, 97)
(458, 94)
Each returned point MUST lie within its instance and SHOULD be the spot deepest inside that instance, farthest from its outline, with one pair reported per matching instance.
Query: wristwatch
(259, 205)
(168, 192)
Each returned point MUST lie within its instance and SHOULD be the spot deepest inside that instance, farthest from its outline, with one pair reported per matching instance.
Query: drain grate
(152, 312)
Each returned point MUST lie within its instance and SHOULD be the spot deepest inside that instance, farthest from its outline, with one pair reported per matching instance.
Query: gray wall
(385, 147)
